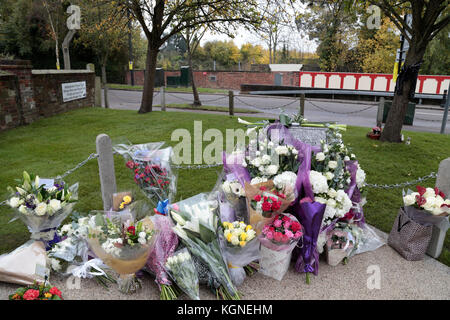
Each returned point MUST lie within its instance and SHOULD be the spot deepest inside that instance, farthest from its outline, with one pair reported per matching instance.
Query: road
(363, 114)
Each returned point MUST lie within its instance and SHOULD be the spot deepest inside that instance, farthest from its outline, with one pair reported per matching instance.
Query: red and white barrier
(368, 81)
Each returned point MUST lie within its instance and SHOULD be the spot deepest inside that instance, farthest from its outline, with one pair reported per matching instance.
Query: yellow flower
(243, 236)
(248, 228)
(122, 205)
(225, 224)
(47, 295)
(127, 199)
(242, 243)
(229, 237)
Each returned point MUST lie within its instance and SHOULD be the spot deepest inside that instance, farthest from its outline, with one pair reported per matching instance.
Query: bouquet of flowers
(37, 292)
(263, 203)
(240, 246)
(165, 245)
(151, 169)
(196, 225)
(340, 243)
(430, 200)
(41, 207)
(70, 256)
(122, 245)
(235, 206)
(182, 270)
(278, 239)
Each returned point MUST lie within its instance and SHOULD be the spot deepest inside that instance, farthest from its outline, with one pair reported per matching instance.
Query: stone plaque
(310, 135)
(73, 91)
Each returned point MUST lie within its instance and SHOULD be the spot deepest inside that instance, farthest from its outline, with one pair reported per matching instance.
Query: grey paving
(400, 279)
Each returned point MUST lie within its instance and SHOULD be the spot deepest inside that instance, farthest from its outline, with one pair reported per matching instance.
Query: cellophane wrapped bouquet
(278, 239)
(70, 256)
(182, 270)
(41, 205)
(197, 226)
(165, 246)
(151, 167)
(123, 245)
(240, 246)
(42, 208)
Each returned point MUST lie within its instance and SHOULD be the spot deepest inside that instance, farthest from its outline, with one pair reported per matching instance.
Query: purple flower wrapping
(165, 245)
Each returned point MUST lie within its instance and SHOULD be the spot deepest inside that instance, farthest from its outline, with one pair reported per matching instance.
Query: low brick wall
(226, 79)
(26, 94)
(48, 90)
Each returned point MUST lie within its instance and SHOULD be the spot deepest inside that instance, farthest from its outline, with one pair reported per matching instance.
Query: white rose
(266, 159)
(331, 203)
(142, 241)
(14, 202)
(409, 200)
(332, 164)
(360, 177)
(235, 240)
(329, 175)
(332, 193)
(318, 182)
(41, 209)
(272, 169)
(346, 158)
(250, 234)
(320, 156)
(294, 151)
(429, 193)
(320, 200)
(55, 204)
(23, 209)
(436, 211)
(258, 153)
(244, 164)
(429, 204)
(329, 213)
(281, 150)
(142, 234)
(256, 162)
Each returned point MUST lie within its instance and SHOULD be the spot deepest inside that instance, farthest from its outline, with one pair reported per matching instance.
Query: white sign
(73, 91)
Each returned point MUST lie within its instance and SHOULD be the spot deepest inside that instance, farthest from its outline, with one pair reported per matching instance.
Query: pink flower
(289, 234)
(31, 294)
(277, 223)
(297, 235)
(287, 224)
(269, 235)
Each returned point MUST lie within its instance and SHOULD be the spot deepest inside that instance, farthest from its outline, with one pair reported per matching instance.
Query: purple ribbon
(310, 215)
(233, 164)
(353, 192)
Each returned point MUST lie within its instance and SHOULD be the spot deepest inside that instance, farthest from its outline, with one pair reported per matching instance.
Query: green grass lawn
(168, 89)
(53, 145)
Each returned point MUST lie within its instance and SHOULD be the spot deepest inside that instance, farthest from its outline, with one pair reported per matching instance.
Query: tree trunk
(149, 80)
(105, 84)
(197, 102)
(394, 122)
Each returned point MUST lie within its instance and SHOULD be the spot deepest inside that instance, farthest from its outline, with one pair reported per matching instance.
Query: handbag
(410, 238)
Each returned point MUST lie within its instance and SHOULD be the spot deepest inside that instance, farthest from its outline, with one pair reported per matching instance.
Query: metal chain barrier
(180, 98)
(265, 108)
(403, 184)
(350, 112)
(82, 163)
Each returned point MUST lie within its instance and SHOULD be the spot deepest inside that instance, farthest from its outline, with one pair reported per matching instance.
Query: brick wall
(48, 90)
(226, 79)
(9, 111)
(26, 94)
(21, 83)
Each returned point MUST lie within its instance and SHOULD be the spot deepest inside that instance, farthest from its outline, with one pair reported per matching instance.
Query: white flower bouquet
(122, 245)
(42, 207)
(197, 226)
(181, 268)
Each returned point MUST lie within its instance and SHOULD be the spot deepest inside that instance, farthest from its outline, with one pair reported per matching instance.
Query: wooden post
(302, 104)
(106, 170)
(231, 102)
(380, 112)
(98, 92)
(163, 98)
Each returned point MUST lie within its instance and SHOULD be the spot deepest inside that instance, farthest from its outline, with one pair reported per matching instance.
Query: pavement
(399, 280)
(357, 113)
